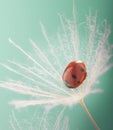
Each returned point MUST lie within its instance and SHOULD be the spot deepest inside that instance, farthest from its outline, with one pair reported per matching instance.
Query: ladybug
(74, 74)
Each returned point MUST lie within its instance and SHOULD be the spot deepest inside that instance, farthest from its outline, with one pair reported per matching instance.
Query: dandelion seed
(46, 86)
(34, 123)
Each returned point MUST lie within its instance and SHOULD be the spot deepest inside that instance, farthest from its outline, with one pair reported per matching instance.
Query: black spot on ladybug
(74, 76)
(82, 70)
(78, 82)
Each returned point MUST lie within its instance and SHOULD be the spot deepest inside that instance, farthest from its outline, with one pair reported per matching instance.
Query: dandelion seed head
(44, 70)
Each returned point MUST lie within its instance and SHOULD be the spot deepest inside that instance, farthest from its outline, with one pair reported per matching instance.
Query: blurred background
(20, 20)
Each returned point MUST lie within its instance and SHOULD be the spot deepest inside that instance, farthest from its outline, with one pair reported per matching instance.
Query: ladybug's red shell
(74, 74)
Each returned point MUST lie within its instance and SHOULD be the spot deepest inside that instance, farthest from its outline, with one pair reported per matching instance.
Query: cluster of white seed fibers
(42, 73)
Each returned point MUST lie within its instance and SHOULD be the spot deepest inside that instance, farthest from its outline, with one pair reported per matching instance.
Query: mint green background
(19, 19)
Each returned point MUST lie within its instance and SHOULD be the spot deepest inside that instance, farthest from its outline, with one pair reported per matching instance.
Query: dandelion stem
(89, 114)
